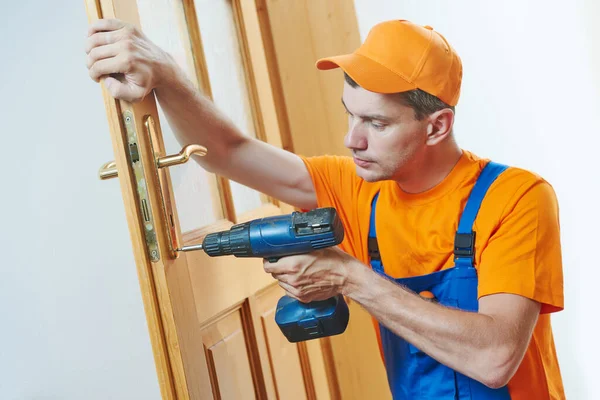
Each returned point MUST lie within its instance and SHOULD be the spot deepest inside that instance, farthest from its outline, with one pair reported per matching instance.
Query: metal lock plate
(142, 189)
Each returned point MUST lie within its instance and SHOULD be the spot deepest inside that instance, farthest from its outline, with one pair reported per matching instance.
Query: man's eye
(378, 125)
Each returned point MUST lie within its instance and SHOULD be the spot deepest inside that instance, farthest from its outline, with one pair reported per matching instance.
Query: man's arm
(246, 160)
(114, 47)
(519, 273)
(487, 346)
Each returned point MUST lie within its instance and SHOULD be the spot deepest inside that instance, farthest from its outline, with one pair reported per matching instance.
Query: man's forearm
(474, 344)
(195, 119)
(232, 154)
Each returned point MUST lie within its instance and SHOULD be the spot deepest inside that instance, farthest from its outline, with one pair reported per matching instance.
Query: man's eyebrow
(378, 117)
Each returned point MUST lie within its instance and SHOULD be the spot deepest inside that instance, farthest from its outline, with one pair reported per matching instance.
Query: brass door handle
(109, 170)
(183, 156)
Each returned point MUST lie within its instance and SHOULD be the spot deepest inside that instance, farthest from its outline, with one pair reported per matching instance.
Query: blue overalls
(412, 374)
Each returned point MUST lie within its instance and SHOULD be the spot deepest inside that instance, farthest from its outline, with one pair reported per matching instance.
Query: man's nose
(355, 138)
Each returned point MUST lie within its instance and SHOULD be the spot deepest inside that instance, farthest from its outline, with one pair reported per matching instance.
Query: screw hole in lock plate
(142, 189)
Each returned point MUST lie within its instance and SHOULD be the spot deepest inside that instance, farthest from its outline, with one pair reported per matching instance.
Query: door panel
(227, 355)
(288, 377)
(219, 30)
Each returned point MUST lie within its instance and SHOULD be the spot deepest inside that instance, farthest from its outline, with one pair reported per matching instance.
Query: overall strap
(464, 241)
(373, 247)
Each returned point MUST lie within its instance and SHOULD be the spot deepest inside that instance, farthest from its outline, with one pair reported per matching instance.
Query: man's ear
(439, 126)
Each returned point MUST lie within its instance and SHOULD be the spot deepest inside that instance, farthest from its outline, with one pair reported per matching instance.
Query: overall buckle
(373, 247)
(464, 245)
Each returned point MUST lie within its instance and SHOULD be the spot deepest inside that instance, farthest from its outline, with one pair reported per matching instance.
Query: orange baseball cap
(398, 56)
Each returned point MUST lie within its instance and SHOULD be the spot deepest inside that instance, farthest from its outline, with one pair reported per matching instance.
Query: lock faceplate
(142, 189)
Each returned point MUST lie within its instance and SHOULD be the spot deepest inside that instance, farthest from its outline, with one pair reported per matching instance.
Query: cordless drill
(275, 237)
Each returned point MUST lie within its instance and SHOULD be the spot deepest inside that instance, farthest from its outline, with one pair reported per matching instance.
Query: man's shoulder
(334, 173)
(520, 188)
(514, 181)
(336, 181)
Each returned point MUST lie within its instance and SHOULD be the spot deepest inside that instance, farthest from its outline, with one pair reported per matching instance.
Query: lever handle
(109, 170)
(175, 159)
(183, 156)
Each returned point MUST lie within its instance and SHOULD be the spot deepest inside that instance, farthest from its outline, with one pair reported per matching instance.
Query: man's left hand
(315, 276)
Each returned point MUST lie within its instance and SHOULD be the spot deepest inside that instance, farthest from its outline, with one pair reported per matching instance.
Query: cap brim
(368, 74)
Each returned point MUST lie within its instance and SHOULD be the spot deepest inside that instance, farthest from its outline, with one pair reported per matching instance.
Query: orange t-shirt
(517, 245)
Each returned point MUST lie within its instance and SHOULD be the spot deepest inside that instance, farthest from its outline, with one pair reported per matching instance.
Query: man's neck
(430, 170)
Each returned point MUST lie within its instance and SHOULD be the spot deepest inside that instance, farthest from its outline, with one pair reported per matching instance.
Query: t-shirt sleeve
(336, 185)
(334, 179)
(524, 255)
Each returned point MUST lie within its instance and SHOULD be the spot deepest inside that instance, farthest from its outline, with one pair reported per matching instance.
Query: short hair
(420, 101)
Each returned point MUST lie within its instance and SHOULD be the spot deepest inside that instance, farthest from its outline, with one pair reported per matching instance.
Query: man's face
(383, 134)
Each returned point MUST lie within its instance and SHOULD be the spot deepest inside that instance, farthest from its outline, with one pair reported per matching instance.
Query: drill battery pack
(305, 321)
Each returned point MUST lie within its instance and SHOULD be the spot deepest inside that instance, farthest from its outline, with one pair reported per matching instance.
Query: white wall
(530, 98)
(72, 322)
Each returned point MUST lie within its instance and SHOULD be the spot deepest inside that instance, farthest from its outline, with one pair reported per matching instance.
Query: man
(457, 258)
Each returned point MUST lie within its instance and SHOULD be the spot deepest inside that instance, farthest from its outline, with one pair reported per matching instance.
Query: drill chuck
(235, 241)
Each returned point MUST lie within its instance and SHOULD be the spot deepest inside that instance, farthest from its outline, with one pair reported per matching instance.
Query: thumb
(114, 87)
(122, 90)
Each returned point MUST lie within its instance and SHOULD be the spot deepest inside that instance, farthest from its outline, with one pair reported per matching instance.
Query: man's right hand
(129, 62)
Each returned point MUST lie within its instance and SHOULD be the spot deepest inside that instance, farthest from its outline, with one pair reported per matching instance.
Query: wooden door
(210, 320)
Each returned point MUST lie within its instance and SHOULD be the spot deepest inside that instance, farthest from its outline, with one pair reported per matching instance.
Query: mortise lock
(139, 171)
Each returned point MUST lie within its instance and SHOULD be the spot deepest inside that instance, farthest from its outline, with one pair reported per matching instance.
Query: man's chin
(366, 175)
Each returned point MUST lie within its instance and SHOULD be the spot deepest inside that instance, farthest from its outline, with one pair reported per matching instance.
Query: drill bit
(190, 248)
